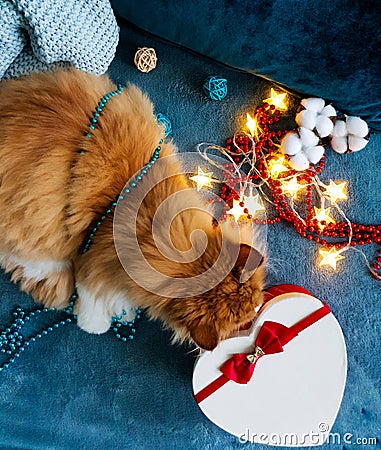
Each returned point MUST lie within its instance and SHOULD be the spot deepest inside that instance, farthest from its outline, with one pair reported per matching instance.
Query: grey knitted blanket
(41, 34)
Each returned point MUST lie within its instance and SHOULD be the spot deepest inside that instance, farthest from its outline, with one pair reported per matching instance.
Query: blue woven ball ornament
(216, 88)
(162, 120)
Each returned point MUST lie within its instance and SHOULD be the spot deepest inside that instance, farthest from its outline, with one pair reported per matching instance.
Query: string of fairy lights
(256, 163)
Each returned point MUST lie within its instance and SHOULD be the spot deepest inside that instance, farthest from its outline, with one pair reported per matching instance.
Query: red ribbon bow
(271, 338)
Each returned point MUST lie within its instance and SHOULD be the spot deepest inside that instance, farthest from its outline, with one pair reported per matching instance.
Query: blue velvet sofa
(72, 390)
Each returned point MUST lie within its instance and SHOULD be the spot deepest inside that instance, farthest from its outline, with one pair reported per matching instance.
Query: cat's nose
(245, 326)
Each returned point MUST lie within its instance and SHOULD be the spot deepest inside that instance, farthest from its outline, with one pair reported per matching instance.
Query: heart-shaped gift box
(286, 396)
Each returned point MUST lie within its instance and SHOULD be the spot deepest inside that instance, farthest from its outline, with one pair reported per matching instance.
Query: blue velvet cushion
(327, 49)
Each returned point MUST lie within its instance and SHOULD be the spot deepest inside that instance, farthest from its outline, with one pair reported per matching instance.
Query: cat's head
(214, 315)
(231, 304)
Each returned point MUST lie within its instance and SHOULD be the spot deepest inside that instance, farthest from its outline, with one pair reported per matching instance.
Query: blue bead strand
(13, 342)
(99, 110)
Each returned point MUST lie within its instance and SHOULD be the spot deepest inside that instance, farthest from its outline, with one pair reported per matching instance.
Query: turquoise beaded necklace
(14, 339)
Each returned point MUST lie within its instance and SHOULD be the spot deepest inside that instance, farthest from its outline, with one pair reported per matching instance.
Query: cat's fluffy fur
(50, 195)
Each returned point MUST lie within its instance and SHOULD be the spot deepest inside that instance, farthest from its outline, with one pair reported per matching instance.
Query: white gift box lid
(293, 397)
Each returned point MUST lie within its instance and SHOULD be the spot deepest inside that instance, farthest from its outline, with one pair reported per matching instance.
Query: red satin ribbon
(271, 338)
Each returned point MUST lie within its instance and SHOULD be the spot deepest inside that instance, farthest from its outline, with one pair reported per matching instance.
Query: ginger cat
(55, 182)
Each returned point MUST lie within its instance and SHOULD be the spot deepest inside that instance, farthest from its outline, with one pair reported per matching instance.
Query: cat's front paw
(91, 312)
(95, 314)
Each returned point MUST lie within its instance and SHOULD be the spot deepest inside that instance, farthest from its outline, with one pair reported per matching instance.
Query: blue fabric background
(72, 390)
(329, 49)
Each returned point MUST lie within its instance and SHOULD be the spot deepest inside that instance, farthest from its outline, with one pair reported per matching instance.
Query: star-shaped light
(202, 179)
(277, 166)
(237, 211)
(330, 257)
(323, 215)
(252, 125)
(291, 187)
(336, 191)
(277, 99)
(253, 204)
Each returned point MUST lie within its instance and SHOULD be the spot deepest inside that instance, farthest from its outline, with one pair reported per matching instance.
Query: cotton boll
(339, 144)
(306, 119)
(307, 137)
(357, 126)
(340, 129)
(299, 161)
(324, 126)
(314, 154)
(316, 116)
(356, 143)
(329, 111)
(291, 144)
(313, 104)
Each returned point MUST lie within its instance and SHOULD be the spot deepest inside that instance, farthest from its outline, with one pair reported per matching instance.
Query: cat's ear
(247, 262)
(204, 334)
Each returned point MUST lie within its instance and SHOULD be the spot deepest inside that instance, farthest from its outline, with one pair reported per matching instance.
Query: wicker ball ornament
(215, 87)
(145, 59)
(164, 122)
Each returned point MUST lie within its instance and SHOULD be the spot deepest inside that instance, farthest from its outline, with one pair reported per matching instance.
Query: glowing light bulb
(237, 211)
(277, 166)
(323, 215)
(253, 204)
(252, 125)
(330, 257)
(336, 191)
(203, 179)
(278, 99)
(291, 187)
